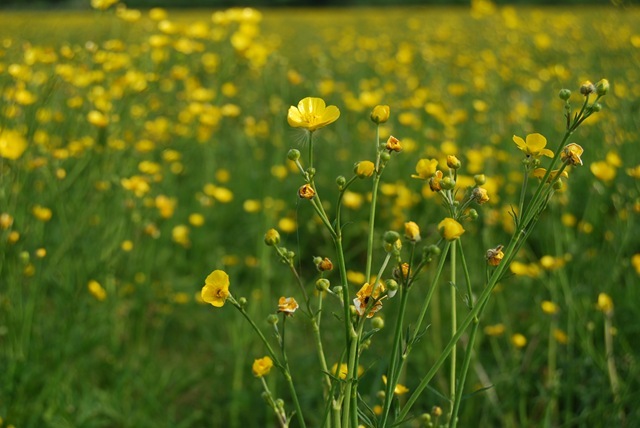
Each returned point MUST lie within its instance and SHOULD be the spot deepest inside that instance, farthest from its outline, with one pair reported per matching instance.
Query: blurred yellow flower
(450, 229)
(399, 389)
(605, 304)
(103, 4)
(560, 336)
(42, 213)
(540, 172)
(97, 290)
(533, 146)
(180, 235)
(12, 144)
(549, 307)
(494, 330)
(635, 262)
(519, 340)
(216, 288)
(603, 171)
(262, 366)
(344, 370)
(311, 114)
(425, 169)
(6, 220)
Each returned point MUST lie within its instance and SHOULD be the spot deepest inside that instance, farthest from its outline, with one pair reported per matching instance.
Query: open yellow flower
(12, 144)
(311, 114)
(287, 305)
(534, 145)
(216, 288)
(425, 169)
(262, 366)
(450, 229)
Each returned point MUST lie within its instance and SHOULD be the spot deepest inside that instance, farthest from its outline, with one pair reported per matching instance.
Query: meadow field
(142, 150)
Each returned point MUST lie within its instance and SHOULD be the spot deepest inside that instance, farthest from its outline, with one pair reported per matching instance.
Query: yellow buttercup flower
(399, 389)
(287, 305)
(519, 340)
(605, 304)
(393, 144)
(262, 366)
(412, 231)
(450, 229)
(216, 288)
(311, 114)
(380, 114)
(571, 154)
(425, 169)
(12, 144)
(534, 145)
(365, 169)
(97, 290)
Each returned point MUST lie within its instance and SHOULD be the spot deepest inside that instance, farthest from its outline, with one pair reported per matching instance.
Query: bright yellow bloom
(533, 146)
(571, 154)
(605, 304)
(12, 144)
(453, 162)
(380, 114)
(365, 169)
(425, 169)
(262, 366)
(311, 114)
(549, 307)
(412, 231)
(287, 305)
(399, 389)
(518, 340)
(97, 290)
(450, 229)
(216, 288)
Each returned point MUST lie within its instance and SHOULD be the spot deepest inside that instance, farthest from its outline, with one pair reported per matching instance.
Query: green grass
(151, 355)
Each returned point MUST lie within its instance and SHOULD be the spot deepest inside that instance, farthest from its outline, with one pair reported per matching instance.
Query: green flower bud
(337, 290)
(448, 183)
(587, 88)
(602, 87)
(293, 154)
(385, 156)
(322, 284)
(311, 172)
(272, 319)
(596, 107)
(564, 94)
(557, 185)
(279, 403)
(432, 250)
(480, 179)
(473, 214)
(341, 181)
(377, 322)
(392, 287)
(391, 236)
(242, 302)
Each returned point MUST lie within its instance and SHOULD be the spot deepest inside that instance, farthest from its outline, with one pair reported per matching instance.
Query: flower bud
(311, 172)
(596, 107)
(364, 169)
(564, 94)
(473, 214)
(385, 156)
(480, 179)
(587, 88)
(337, 290)
(450, 229)
(323, 264)
(391, 236)
(558, 185)
(272, 237)
(392, 287)
(393, 144)
(272, 319)
(341, 181)
(377, 323)
(432, 250)
(322, 284)
(306, 192)
(242, 301)
(453, 162)
(448, 183)
(602, 87)
(293, 154)
(412, 231)
(380, 114)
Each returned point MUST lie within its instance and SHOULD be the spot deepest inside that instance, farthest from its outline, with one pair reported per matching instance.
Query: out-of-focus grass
(196, 119)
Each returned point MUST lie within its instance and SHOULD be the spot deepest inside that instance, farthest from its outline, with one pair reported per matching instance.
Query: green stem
(372, 213)
(454, 326)
(393, 363)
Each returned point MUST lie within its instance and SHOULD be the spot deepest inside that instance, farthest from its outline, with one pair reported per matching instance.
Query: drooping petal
(546, 152)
